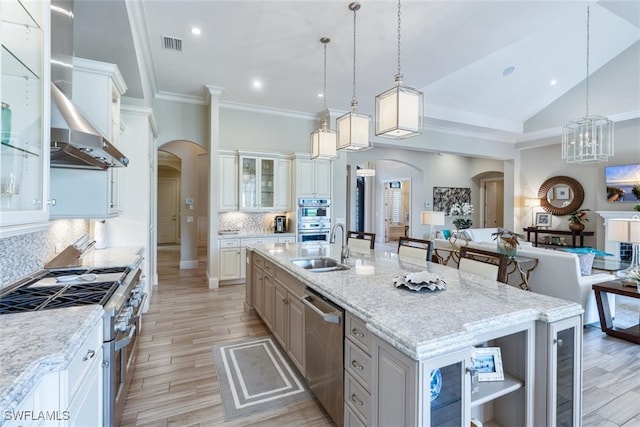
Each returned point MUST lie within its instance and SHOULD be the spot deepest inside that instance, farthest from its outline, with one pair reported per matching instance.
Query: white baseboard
(188, 264)
(214, 283)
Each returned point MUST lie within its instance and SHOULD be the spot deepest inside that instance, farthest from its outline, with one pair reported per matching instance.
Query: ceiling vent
(172, 43)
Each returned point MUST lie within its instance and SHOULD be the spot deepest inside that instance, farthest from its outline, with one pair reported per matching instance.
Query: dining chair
(488, 264)
(415, 248)
(361, 240)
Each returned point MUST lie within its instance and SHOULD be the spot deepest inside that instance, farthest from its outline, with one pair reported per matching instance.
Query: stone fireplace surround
(611, 246)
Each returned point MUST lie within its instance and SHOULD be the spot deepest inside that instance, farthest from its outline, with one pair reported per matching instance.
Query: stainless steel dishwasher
(324, 349)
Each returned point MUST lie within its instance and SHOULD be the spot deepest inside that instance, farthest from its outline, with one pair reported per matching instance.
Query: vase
(506, 248)
(576, 227)
(6, 123)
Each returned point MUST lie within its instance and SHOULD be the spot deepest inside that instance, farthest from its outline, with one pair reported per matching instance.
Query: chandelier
(323, 140)
(399, 109)
(353, 128)
(589, 139)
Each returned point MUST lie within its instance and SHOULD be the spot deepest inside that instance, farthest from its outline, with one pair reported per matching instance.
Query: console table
(536, 231)
(606, 321)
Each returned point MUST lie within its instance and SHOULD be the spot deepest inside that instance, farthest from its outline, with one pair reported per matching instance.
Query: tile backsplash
(250, 222)
(26, 253)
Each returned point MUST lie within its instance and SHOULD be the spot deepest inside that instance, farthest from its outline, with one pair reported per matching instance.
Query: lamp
(353, 127)
(589, 139)
(323, 140)
(431, 218)
(399, 109)
(532, 203)
(627, 231)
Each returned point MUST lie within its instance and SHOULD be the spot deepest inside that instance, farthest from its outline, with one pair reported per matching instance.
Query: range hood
(75, 142)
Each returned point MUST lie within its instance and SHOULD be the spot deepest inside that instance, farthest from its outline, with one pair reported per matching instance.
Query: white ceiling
(454, 51)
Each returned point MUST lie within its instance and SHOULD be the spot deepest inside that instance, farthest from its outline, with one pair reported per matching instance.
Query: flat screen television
(623, 183)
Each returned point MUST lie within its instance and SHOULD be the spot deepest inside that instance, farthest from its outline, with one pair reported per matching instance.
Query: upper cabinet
(24, 177)
(264, 183)
(313, 178)
(83, 193)
(228, 181)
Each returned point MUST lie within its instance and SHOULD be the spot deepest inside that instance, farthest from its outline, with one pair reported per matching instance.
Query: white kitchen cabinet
(313, 178)
(558, 399)
(44, 397)
(357, 372)
(24, 148)
(264, 183)
(228, 182)
(233, 256)
(85, 193)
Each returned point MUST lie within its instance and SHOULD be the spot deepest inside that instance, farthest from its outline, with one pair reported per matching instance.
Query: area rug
(255, 375)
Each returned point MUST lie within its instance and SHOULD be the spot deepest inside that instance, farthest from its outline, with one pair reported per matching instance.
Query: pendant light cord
(324, 87)
(588, 15)
(399, 21)
(353, 96)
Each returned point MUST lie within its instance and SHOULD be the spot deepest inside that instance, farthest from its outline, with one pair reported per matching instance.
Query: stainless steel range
(119, 290)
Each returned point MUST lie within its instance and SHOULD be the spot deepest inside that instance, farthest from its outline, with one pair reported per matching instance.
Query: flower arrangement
(461, 211)
(579, 216)
(507, 241)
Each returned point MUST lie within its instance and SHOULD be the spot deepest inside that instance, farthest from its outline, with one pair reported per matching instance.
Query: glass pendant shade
(323, 143)
(353, 131)
(399, 112)
(588, 140)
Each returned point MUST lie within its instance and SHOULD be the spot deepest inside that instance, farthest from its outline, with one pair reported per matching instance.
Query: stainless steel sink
(319, 265)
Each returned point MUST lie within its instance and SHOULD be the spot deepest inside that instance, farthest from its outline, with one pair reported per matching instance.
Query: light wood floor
(175, 382)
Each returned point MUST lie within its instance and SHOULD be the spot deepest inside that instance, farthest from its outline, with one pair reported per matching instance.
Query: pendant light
(353, 127)
(399, 109)
(323, 140)
(589, 139)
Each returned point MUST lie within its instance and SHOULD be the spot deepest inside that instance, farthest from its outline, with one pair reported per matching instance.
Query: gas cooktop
(64, 288)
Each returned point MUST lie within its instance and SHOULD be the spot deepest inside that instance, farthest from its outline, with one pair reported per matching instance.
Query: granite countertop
(36, 343)
(250, 235)
(130, 256)
(420, 324)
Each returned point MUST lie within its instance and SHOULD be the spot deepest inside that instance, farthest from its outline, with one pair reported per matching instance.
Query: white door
(493, 203)
(167, 210)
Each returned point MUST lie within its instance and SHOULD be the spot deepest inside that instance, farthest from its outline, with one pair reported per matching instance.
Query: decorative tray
(420, 280)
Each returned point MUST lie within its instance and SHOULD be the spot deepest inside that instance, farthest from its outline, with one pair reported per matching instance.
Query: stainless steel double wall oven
(314, 219)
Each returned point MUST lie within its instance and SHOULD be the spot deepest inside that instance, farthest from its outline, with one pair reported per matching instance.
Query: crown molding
(267, 110)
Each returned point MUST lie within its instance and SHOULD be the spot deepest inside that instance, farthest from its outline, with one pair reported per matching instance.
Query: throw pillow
(586, 262)
(446, 233)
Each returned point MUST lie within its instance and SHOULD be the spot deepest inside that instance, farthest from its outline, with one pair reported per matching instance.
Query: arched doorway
(183, 194)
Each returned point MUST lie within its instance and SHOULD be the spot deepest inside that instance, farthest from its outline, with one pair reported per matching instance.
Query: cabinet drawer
(229, 243)
(87, 354)
(357, 398)
(351, 419)
(268, 268)
(357, 332)
(258, 241)
(358, 364)
(292, 284)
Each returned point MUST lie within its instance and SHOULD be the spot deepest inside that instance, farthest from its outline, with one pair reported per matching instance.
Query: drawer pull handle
(90, 354)
(355, 400)
(357, 333)
(357, 366)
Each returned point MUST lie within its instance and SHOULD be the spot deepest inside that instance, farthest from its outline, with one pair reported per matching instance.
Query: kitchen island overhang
(423, 324)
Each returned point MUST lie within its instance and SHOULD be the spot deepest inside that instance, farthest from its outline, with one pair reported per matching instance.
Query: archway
(192, 195)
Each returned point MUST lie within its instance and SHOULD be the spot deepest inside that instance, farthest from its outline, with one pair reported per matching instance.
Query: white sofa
(557, 274)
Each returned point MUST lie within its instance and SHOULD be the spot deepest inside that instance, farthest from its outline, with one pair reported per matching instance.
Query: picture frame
(543, 219)
(562, 192)
(487, 362)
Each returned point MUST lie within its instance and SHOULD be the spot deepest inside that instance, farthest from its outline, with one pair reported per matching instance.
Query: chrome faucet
(344, 253)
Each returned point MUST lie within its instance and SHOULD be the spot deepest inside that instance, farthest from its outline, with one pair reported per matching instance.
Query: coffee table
(606, 321)
(609, 265)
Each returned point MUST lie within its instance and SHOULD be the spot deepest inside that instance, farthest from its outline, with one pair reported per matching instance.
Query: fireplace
(619, 250)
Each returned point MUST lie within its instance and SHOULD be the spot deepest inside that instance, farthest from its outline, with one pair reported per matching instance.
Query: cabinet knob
(285, 301)
(51, 202)
(89, 355)
(559, 342)
(357, 366)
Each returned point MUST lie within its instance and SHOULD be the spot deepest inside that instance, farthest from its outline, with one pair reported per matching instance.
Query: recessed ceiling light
(257, 84)
(320, 95)
(196, 31)
(508, 70)
(553, 82)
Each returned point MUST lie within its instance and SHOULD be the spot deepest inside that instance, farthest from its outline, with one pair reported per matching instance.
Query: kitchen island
(415, 333)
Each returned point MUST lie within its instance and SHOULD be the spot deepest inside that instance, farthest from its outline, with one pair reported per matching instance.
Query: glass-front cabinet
(257, 183)
(25, 116)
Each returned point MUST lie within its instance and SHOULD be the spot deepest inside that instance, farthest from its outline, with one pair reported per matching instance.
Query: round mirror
(561, 195)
